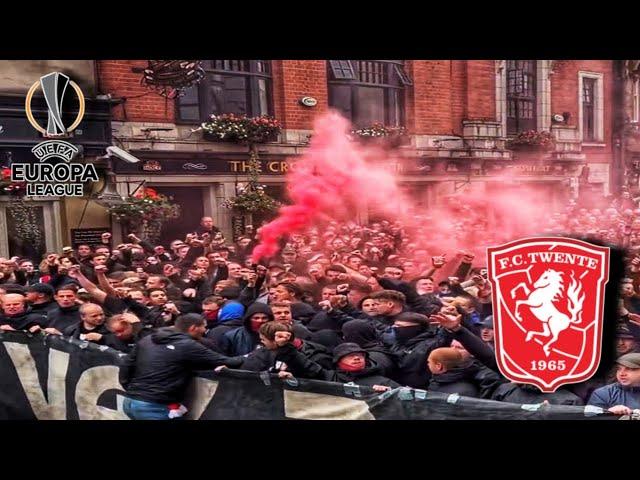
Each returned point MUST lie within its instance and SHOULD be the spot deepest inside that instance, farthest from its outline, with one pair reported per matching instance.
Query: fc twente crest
(548, 303)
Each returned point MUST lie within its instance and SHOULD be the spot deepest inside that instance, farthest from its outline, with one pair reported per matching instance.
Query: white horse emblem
(548, 289)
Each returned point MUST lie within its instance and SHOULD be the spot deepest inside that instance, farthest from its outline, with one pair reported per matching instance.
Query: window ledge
(595, 144)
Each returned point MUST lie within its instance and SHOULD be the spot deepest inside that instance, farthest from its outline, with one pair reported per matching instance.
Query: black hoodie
(243, 340)
(412, 356)
(163, 364)
(364, 334)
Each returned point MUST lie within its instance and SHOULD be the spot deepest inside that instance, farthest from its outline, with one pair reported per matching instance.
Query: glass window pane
(263, 97)
(190, 113)
(340, 99)
(369, 106)
(235, 95)
(190, 96)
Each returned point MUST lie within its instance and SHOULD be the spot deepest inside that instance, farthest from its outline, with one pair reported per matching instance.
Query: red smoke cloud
(333, 177)
(336, 175)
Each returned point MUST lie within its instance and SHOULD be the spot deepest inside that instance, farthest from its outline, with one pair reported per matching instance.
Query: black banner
(57, 378)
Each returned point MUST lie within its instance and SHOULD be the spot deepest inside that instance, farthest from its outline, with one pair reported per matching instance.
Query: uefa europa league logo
(54, 88)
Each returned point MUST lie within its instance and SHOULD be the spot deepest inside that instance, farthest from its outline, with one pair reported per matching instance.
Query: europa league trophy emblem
(54, 86)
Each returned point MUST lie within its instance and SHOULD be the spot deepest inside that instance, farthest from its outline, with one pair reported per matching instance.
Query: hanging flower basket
(532, 140)
(145, 212)
(241, 129)
(382, 135)
(252, 197)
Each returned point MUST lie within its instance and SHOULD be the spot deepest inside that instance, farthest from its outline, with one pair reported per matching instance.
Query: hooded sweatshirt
(163, 364)
(364, 334)
(243, 340)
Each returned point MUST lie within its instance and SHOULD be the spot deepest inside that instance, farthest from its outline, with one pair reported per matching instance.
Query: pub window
(588, 109)
(591, 106)
(242, 87)
(521, 96)
(368, 91)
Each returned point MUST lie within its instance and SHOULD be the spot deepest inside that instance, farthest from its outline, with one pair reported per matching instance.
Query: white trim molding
(543, 95)
(598, 108)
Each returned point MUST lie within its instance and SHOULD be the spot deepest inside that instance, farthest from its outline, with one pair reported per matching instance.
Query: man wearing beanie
(623, 396)
(40, 298)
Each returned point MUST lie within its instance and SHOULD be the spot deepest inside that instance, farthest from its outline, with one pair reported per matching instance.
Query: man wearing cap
(351, 362)
(623, 396)
(486, 332)
(625, 341)
(40, 298)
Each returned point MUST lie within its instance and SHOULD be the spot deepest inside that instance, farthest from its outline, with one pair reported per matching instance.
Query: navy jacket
(615, 394)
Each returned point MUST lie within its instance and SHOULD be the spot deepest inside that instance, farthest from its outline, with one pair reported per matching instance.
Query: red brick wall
(564, 98)
(143, 104)
(458, 94)
(429, 103)
(481, 90)
(294, 79)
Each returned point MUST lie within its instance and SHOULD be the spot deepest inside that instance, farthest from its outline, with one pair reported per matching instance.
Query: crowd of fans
(372, 304)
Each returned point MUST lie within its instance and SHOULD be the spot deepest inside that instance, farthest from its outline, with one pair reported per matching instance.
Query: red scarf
(349, 368)
(255, 325)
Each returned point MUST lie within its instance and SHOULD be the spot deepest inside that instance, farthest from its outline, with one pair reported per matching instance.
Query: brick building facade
(459, 114)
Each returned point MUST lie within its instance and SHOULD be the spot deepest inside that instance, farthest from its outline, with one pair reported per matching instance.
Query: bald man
(16, 316)
(91, 326)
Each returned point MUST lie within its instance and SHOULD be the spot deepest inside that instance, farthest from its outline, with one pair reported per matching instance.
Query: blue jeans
(139, 410)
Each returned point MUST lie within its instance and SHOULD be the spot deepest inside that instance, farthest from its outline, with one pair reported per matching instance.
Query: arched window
(368, 91)
(230, 86)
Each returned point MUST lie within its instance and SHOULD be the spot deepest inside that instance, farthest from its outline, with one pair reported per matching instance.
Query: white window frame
(543, 95)
(598, 108)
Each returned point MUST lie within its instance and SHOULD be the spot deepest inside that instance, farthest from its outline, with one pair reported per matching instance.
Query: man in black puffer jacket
(163, 364)
(414, 341)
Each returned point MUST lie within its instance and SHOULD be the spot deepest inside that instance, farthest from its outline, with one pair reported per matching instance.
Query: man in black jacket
(66, 312)
(161, 366)
(40, 298)
(91, 326)
(415, 338)
(15, 315)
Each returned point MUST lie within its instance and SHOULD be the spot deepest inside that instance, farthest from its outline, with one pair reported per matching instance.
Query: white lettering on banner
(317, 406)
(200, 393)
(93, 383)
(56, 407)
